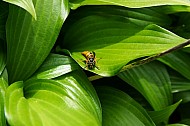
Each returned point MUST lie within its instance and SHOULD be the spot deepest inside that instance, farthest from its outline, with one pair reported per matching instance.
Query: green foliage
(25, 4)
(44, 78)
(131, 4)
(30, 41)
(113, 35)
(3, 87)
(45, 102)
(120, 109)
(152, 81)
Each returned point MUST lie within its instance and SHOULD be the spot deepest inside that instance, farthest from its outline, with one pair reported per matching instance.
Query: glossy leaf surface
(69, 100)
(56, 65)
(25, 4)
(29, 41)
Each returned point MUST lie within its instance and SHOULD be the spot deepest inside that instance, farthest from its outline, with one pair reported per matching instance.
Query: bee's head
(91, 59)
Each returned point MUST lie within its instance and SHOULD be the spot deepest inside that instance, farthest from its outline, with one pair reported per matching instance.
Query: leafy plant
(140, 49)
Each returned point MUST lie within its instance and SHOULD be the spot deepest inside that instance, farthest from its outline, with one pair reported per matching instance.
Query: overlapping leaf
(116, 40)
(119, 109)
(164, 114)
(55, 65)
(69, 100)
(25, 4)
(29, 41)
(152, 81)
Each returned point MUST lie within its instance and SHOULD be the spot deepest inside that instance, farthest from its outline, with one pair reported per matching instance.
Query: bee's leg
(84, 61)
(86, 67)
(97, 67)
(81, 60)
(97, 59)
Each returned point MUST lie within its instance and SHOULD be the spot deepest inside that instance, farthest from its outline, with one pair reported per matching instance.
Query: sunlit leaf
(164, 114)
(119, 109)
(69, 100)
(152, 81)
(55, 65)
(25, 4)
(131, 3)
(29, 41)
(115, 39)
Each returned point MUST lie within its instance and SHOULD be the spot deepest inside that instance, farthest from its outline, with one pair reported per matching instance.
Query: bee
(90, 59)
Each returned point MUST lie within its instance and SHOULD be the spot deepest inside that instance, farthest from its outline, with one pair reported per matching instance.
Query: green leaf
(152, 81)
(69, 100)
(179, 83)
(2, 55)
(119, 109)
(3, 87)
(164, 114)
(25, 4)
(176, 125)
(186, 121)
(30, 41)
(133, 3)
(178, 61)
(139, 16)
(3, 18)
(173, 9)
(184, 95)
(116, 40)
(54, 66)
